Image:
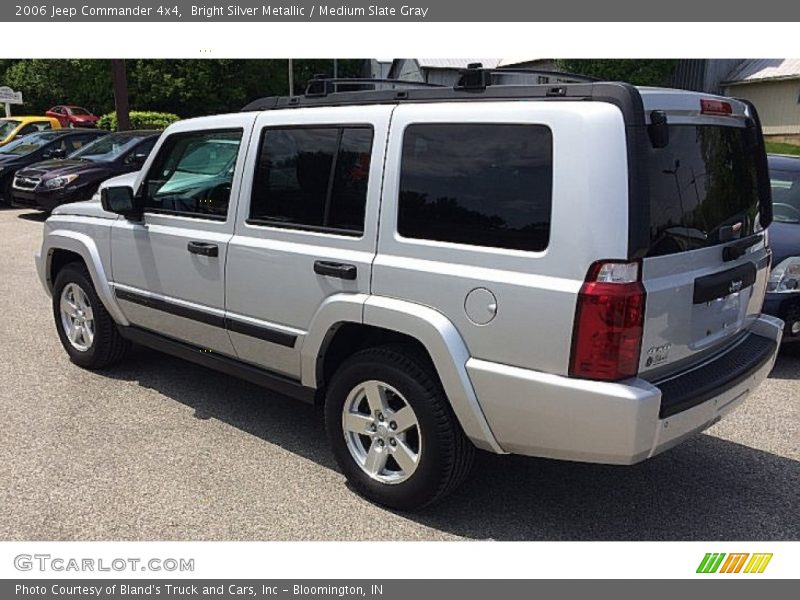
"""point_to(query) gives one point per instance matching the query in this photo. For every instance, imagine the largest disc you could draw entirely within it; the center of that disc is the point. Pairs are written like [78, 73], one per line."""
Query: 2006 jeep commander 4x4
[571, 271]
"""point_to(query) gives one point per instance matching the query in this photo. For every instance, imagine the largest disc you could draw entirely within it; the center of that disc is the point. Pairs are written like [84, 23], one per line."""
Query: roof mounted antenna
[474, 78]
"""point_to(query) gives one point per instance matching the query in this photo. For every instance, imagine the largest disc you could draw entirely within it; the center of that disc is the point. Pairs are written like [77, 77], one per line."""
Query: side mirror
[137, 158]
[120, 200]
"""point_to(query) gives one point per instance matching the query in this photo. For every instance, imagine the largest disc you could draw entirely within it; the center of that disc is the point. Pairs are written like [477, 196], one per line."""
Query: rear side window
[313, 178]
[477, 184]
[703, 188]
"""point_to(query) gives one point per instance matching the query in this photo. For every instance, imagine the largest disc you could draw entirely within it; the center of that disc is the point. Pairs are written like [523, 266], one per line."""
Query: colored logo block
[735, 562]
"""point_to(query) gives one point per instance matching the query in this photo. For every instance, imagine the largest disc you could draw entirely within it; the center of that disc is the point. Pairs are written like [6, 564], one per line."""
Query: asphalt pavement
[160, 449]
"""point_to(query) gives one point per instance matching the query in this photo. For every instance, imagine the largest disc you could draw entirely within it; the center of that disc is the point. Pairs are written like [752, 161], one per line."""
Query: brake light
[609, 320]
[715, 107]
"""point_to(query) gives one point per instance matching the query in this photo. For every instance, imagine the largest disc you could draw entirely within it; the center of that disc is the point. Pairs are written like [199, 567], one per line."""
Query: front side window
[785, 195]
[477, 184]
[192, 174]
[313, 178]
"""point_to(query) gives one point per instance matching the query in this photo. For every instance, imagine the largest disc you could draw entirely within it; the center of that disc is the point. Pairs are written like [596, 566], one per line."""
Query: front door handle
[203, 248]
[335, 269]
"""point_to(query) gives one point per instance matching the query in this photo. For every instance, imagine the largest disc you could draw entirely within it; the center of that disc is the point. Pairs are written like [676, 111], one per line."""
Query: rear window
[477, 184]
[703, 188]
[785, 195]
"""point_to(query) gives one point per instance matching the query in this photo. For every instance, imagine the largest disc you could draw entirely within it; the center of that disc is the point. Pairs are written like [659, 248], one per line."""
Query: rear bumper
[787, 308]
[540, 414]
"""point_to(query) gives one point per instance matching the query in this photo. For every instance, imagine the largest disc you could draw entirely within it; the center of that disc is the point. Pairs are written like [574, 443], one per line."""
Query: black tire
[5, 188]
[108, 346]
[447, 454]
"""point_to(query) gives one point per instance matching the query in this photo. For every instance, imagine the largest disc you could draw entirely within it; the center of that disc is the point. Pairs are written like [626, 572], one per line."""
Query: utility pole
[120, 83]
[291, 78]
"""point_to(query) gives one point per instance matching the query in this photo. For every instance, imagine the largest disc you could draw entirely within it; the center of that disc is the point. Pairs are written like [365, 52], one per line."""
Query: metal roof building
[773, 85]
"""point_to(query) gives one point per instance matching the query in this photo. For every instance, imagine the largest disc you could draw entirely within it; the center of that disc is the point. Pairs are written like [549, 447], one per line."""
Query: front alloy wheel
[86, 330]
[77, 317]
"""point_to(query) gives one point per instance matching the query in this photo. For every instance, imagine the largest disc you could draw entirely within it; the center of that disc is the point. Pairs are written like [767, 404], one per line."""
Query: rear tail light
[715, 107]
[609, 320]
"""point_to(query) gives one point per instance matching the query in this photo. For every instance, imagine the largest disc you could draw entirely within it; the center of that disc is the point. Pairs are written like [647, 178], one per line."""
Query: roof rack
[474, 83]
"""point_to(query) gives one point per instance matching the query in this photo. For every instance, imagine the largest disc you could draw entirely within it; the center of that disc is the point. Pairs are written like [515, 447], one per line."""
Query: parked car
[15, 127]
[73, 116]
[783, 288]
[445, 269]
[49, 144]
[50, 183]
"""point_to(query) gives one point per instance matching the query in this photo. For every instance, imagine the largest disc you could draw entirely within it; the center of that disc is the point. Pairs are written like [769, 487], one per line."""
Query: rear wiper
[738, 248]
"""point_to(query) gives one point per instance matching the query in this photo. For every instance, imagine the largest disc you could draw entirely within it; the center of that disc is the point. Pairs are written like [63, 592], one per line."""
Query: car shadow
[38, 216]
[705, 489]
[787, 366]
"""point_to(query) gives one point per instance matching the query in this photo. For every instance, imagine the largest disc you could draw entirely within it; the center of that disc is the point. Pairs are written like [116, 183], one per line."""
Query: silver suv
[572, 271]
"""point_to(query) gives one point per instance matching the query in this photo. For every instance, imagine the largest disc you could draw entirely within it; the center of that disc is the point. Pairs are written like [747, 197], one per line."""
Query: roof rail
[475, 77]
[322, 85]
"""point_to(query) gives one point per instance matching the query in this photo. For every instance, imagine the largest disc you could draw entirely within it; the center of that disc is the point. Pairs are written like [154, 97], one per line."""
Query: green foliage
[782, 148]
[139, 120]
[190, 88]
[47, 82]
[636, 71]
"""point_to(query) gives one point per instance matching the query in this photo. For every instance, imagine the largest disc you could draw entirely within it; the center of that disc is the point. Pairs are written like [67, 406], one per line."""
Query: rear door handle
[335, 269]
[203, 248]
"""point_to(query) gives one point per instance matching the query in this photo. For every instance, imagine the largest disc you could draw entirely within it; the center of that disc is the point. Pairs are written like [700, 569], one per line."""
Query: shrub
[139, 120]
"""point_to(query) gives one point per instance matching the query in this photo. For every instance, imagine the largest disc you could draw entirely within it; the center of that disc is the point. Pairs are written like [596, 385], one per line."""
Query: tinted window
[785, 195]
[6, 127]
[313, 178]
[482, 184]
[703, 188]
[28, 144]
[109, 147]
[192, 174]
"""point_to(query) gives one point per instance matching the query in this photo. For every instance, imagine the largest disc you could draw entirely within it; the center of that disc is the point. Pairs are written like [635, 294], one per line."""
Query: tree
[46, 82]
[636, 71]
[188, 88]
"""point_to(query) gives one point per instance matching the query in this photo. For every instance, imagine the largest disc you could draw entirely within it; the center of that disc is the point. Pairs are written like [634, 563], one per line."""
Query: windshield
[785, 195]
[27, 144]
[108, 148]
[6, 127]
[77, 110]
[703, 188]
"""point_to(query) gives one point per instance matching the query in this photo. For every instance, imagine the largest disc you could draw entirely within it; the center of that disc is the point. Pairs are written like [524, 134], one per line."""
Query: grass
[781, 148]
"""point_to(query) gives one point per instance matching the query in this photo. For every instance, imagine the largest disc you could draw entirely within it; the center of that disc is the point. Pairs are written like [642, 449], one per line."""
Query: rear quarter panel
[535, 291]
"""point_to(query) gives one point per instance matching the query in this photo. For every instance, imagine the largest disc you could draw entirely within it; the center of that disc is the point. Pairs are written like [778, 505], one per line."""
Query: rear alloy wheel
[382, 432]
[392, 430]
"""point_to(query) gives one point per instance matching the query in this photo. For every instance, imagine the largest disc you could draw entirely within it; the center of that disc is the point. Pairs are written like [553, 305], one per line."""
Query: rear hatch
[706, 267]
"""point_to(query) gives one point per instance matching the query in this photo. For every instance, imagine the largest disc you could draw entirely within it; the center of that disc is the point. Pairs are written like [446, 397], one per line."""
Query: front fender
[84, 246]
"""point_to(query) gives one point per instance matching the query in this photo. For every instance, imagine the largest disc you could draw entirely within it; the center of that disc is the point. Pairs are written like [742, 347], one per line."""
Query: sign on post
[9, 97]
